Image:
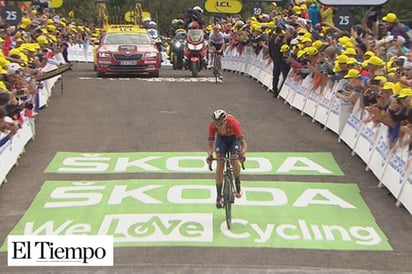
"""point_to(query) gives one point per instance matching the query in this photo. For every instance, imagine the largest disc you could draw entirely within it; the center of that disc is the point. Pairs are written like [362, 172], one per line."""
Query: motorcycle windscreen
[195, 35]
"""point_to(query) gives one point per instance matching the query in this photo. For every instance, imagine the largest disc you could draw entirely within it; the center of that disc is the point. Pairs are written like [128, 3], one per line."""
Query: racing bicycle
[228, 186]
[215, 67]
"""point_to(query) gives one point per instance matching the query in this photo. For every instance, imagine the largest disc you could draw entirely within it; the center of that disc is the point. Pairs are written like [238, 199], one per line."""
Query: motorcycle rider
[154, 34]
[217, 43]
[195, 15]
[175, 25]
[195, 44]
[176, 48]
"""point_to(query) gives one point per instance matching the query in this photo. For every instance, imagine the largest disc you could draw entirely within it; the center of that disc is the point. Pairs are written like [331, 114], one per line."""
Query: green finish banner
[182, 213]
[258, 163]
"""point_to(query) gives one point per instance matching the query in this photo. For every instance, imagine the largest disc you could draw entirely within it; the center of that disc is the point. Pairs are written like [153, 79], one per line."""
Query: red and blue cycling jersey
[230, 128]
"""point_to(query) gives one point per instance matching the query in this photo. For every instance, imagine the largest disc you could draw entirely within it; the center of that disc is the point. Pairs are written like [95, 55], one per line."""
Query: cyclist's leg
[219, 59]
[219, 62]
[210, 58]
[215, 64]
[235, 151]
[220, 149]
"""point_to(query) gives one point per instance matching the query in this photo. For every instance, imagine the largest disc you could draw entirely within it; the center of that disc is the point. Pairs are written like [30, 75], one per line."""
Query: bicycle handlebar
[225, 159]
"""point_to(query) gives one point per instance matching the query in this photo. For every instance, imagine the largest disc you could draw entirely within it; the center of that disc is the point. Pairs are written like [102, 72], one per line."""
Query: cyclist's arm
[211, 138]
[240, 137]
[210, 147]
[211, 46]
[243, 146]
[222, 49]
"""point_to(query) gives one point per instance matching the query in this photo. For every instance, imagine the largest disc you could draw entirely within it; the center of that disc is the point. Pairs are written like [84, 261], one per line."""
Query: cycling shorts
[225, 144]
[217, 47]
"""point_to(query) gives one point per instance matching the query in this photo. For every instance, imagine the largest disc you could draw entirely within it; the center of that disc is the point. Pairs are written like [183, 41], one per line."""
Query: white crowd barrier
[390, 165]
[80, 53]
[11, 148]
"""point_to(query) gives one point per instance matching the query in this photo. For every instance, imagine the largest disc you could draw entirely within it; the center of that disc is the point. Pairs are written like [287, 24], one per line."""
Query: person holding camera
[6, 127]
[404, 75]
[399, 110]
[23, 91]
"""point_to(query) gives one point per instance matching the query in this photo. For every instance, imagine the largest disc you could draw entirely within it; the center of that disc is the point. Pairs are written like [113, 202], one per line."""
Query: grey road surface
[124, 114]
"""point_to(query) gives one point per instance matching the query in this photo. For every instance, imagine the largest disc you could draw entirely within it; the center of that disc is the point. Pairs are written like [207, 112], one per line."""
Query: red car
[127, 49]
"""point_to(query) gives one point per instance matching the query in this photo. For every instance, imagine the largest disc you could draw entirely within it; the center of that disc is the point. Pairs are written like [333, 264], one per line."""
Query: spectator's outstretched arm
[364, 20]
[331, 26]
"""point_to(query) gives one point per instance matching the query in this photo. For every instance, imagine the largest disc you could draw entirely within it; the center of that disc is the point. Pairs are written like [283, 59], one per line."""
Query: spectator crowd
[25, 51]
[373, 59]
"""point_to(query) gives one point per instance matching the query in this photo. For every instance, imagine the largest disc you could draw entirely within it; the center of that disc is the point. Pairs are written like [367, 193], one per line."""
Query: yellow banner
[223, 6]
[54, 4]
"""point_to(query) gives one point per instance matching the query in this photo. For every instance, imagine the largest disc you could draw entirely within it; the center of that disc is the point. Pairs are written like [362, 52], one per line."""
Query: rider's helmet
[199, 9]
[193, 25]
[174, 22]
[180, 23]
[146, 20]
[152, 25]
[219, 115]
[180, 31]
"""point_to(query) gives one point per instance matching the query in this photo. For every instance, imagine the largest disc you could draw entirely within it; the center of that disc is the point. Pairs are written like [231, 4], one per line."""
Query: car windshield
[127, 38]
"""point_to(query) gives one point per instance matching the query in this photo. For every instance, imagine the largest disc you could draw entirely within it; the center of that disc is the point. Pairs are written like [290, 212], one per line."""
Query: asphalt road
[128, 114]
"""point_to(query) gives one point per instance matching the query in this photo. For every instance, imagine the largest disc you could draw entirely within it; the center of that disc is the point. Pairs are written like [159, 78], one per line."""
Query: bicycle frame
[228, 186]
[215, 57]
[228, 192]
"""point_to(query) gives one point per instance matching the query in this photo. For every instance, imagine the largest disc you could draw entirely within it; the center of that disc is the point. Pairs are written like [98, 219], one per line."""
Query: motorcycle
[176, 50]
[195, 51]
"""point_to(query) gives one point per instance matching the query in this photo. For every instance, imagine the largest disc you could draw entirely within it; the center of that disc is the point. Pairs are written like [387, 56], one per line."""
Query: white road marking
[159, 79]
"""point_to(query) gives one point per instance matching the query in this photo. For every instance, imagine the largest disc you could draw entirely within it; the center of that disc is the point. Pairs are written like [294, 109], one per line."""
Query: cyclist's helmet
[217, 27]
[199, 9]
[152, 25]
[193, 25]
[174, 22]
[180, 23]
[219, 115]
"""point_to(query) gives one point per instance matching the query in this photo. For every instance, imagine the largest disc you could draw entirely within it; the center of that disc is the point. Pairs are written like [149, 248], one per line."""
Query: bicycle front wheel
[227, 199]
[215, 67]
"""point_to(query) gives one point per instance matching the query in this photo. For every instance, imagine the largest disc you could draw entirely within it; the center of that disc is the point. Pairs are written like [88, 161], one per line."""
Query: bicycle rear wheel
[215, 68]
[227, 200]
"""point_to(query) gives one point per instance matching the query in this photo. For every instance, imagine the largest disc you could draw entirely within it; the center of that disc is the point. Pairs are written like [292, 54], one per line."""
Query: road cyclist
[225, 135]
[217, 45]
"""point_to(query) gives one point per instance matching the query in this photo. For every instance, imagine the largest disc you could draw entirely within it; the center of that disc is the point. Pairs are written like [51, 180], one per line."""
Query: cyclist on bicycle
[225, 135]
[217, 43]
